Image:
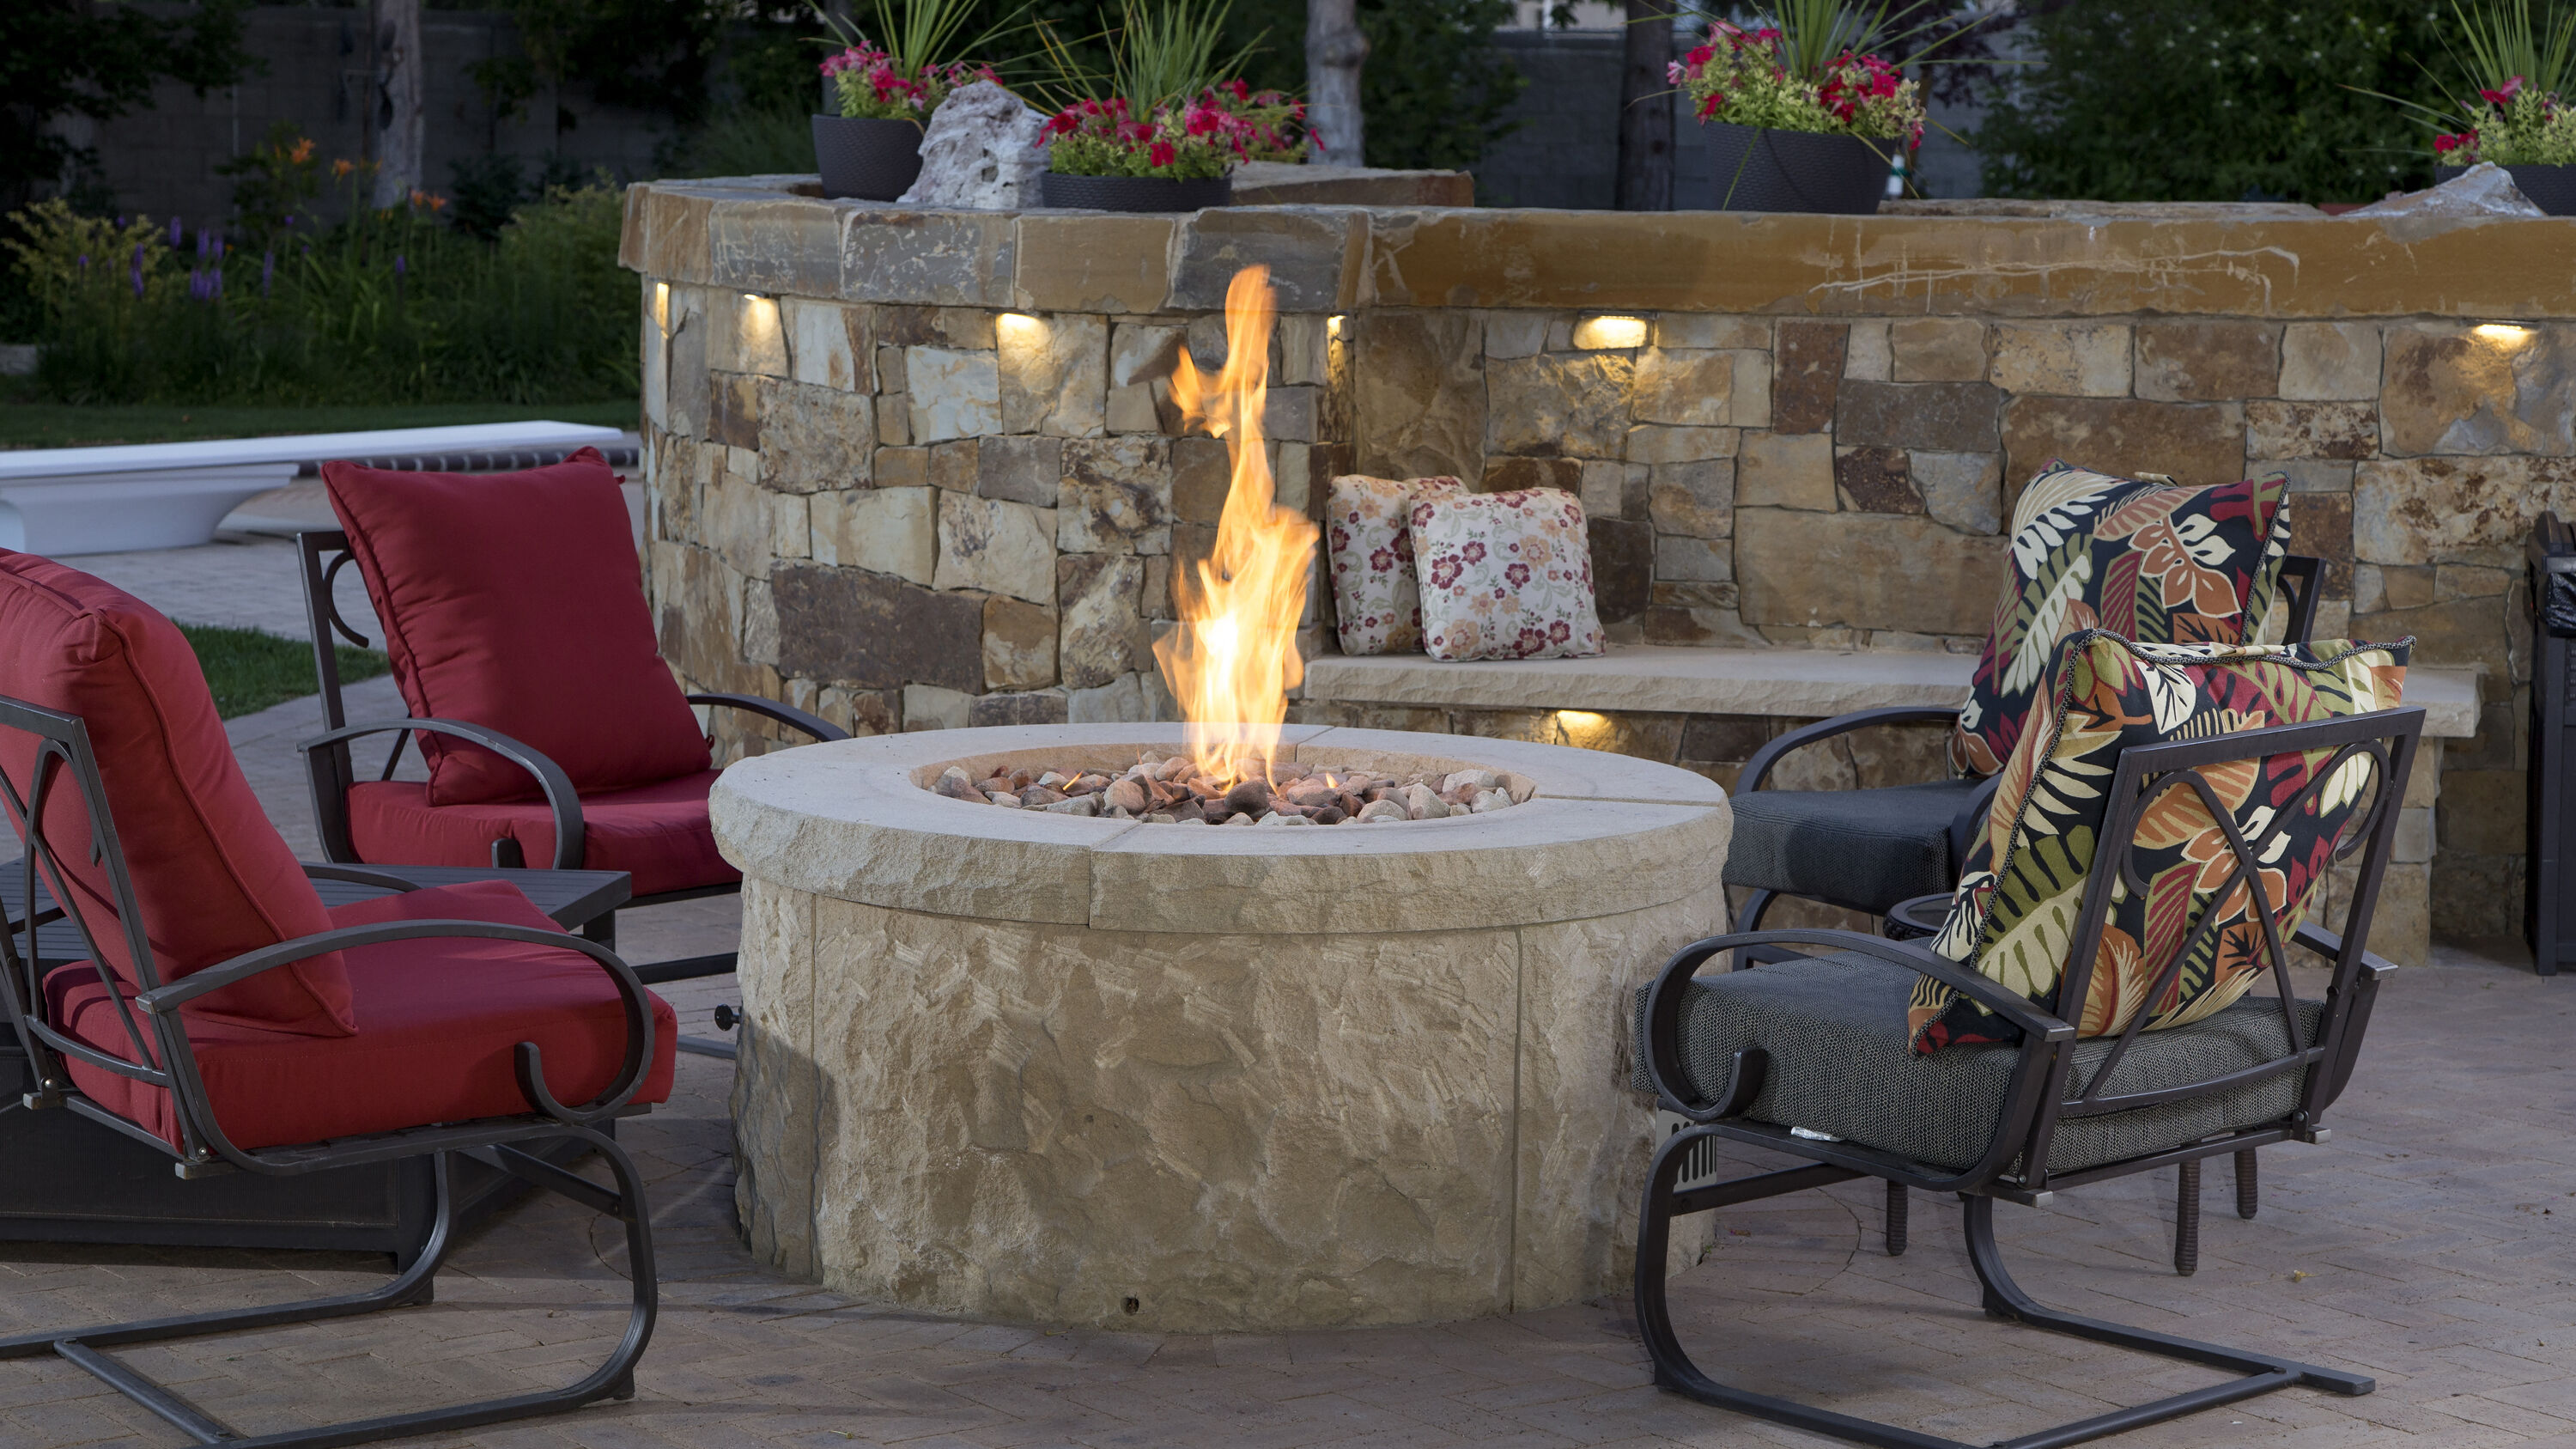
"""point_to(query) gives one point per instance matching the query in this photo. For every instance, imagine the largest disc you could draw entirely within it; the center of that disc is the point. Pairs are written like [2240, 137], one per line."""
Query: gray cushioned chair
[1819, 1042]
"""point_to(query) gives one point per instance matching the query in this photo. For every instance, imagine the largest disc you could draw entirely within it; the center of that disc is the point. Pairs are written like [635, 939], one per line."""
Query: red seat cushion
[655, 833]
[211, 877]
[439, 1020]
[514, 601]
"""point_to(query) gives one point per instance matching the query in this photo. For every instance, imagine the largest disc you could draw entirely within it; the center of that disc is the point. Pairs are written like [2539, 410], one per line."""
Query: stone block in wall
[1616, 490]
[952, 394]
[1807, 373]
[934, 707]
[1303, 342]
[1558, 405]
[996, 547]
[744, 334]
[1054, 374]
[2321, 527]
[965, 329]
[2476, 895]
[733, 410]
[1875, 480]
[1694, 499]
[2454, 510]
[2062, 359]
[733, 514]
[1656, 444]
[828, 344]
[1103, 633]
[867, 631]
[1044, 707]
[2330, 430]
[1020, 470]
[2312, 475]
[698, 602]
[894, 421]
[898, 467]
[1691, 388]
[1513, 334]
[1418, 392]
[1142, 352]
[1785, 470]
[1125, 700]
[1292, 414]
[956, 465]
[2197, 444]
[2207, 361]
[933, 258]
[1202, 475]
[1623, 567]
[1865, 570]
[1937, 349]
[1951, 417]
[2481, 812]
[1866, 354]
[2456, 631]
[1019, 644]
[2452, 388]
[1313, 256]
[814, 437]
[1683, 559]
[687, 380]
[883, 530]
[1712, 329]
[784, 245]
[1510, 475]
[2330, 361]
[1963, 490]
[1115, 496]
[1092, 263]
[863, 712]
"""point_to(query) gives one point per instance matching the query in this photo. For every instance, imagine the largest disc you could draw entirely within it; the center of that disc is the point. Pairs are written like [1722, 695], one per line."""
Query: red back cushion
[514, 601]
[211, 877]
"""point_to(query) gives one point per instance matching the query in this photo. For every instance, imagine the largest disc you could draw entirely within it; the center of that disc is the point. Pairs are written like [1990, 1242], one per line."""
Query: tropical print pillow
[1377, 606]
[2142, 557]
[2013, 915]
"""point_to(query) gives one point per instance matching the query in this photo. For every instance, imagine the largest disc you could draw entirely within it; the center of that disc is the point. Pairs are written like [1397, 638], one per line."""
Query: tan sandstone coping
[851, 820]
[1781, 683]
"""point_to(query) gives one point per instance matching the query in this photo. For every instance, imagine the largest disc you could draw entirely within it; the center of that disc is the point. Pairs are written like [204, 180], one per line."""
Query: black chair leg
[2187, 1218]
[2249, 1191]
[1894, 1230]
[612, 1379]
[2257, 1373]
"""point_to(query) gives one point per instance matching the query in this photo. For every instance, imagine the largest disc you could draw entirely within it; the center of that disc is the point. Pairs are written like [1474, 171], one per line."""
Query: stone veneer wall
[918, 469]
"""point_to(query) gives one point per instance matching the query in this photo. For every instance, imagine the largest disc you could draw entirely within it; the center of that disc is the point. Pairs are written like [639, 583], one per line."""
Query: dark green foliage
[61, 58]
[2216, 100]
[482, 191]
[248, 671]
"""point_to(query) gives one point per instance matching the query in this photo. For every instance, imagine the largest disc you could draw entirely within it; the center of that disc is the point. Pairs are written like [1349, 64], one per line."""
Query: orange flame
[1233, 657]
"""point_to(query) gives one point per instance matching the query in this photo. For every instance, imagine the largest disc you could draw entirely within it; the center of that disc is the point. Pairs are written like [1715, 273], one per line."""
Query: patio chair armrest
[357, 875]
[165, 1001]
[786, 714]
[1757, 769]
[1664, 1004]
[2330, 944]
[561, 798]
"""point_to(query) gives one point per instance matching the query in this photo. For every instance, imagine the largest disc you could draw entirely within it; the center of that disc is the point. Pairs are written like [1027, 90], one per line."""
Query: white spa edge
[851, 819]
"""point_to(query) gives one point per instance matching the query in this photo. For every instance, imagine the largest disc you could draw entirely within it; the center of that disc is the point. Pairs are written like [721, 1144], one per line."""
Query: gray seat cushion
[1863, 849]
[1835, 1030]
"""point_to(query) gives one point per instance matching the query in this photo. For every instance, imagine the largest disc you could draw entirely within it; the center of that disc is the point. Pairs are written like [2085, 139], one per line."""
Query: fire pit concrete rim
[848, 820]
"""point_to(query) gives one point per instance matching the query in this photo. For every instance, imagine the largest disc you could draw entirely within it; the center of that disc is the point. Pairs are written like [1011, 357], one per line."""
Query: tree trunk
[1334, 51]
[401, 111]
[1646, 109]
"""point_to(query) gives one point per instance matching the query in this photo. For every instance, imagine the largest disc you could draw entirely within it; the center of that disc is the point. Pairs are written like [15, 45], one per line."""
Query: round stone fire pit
[1059, 1069]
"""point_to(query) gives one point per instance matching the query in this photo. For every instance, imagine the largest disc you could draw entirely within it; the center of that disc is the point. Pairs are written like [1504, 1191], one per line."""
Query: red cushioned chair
[225, 1016]
[514, 614]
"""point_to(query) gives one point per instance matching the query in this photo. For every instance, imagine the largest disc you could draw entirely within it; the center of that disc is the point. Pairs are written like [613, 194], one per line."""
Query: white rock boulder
[981, 152]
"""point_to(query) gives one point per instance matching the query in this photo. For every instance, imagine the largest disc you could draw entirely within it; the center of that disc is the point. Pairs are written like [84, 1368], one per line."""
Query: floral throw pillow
[1376, 607]
[1506, 576]
[2013, 916]
[2142, 557]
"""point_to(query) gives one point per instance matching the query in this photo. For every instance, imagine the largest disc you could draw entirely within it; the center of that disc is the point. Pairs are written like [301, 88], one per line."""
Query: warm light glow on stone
[1608, 334]
[1333, 326]
[2503, 334]
[1020, 326]
[662, 307]
[759, 323]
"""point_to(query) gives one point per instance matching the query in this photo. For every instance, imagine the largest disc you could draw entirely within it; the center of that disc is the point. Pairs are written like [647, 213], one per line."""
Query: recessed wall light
[1609, 334]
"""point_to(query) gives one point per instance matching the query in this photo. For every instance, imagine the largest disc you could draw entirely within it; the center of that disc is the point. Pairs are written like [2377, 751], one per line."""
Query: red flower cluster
[2464, 141]
[1857, 80]
[2505, 96]
[1228, 122]
[883, 89]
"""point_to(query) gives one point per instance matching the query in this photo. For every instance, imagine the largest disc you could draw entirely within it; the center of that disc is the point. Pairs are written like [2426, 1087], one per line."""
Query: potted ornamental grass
[1800, 116]
[2521, 121]
[1163, 133]
[871, 150]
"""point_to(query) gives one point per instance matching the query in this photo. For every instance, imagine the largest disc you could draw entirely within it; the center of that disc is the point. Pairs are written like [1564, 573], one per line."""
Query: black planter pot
[2551, 188]
[865, 158]
[1758, 169]
[1134, 193]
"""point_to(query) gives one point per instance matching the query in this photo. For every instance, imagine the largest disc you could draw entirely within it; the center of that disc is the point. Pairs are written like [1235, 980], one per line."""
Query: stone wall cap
[851, 820]
[1674, 679]
[2449, 697]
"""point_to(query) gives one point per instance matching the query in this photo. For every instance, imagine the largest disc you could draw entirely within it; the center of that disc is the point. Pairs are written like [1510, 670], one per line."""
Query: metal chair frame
[2304, 576]
[320, 555]
[2014, 1166]
[153, 1019]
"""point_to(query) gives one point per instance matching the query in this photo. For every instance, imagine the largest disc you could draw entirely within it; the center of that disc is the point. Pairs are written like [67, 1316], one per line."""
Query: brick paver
[2431, 1243]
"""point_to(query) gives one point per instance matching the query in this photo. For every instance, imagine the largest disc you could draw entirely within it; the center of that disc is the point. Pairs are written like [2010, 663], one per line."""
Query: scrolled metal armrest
[561, 798]
[1664, 1004]
[165, 1000]
[1757, 769]
[786, 714]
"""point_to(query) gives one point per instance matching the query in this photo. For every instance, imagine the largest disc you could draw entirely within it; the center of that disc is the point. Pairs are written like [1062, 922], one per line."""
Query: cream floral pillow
[1506, 576]
[1376, 608]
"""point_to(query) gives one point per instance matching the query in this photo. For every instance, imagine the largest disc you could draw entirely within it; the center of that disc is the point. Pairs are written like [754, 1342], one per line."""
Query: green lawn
[64, 425]
[249, 670]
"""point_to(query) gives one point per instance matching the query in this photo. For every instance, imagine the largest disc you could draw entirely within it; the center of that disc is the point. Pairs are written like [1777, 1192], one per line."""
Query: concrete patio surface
[2432, 1243]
